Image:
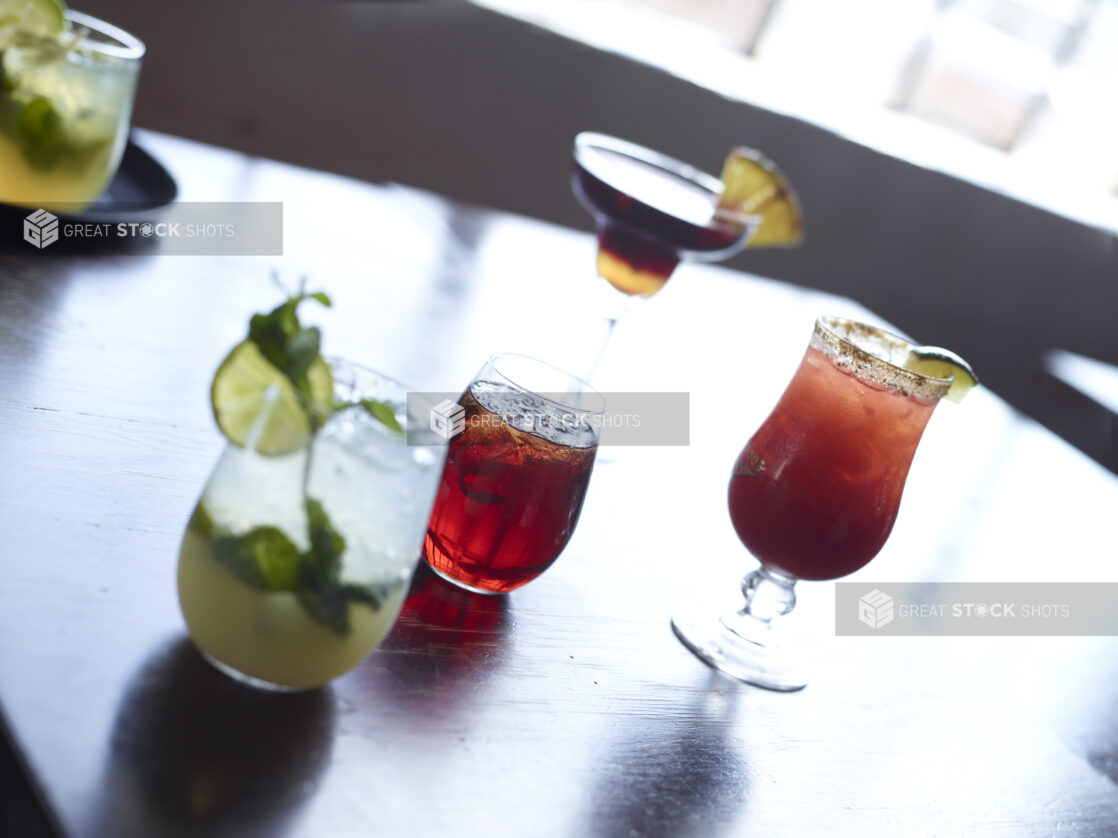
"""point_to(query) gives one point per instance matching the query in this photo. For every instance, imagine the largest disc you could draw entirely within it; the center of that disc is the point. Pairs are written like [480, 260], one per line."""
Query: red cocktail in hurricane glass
[815, 492]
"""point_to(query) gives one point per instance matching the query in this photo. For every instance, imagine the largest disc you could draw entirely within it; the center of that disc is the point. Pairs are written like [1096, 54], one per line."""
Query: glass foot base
[458, 583]
[258, 683]
[758, 660]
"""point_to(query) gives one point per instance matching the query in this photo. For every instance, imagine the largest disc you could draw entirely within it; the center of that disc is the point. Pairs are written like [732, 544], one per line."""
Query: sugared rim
[875, 355]
[585, 386]
[116, 42]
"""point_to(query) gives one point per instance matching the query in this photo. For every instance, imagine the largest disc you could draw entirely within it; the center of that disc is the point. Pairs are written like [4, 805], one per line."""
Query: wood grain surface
[567, 708]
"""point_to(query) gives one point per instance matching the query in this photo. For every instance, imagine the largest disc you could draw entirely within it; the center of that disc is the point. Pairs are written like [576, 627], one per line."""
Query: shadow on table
[446, 641]
[682, 776]
[98, 239]
[195, 752]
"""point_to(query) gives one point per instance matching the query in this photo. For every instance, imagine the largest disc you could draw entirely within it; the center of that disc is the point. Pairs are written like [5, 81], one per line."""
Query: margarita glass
[294, 565]
[65, 109]
[651, 211]
[815, 492]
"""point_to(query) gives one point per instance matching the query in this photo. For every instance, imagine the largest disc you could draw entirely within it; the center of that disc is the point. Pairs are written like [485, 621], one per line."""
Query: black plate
[141, 189]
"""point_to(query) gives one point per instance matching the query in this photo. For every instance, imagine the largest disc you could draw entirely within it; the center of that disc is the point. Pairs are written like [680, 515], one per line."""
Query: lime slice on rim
[943, 363]
[754, 185]
[35, 17]
[256, 406]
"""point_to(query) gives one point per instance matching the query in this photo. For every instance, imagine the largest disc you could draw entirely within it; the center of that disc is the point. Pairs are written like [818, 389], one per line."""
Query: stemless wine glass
[515, 475]
[293, 566]
[815, 491]
[65, 109]
[651, 211]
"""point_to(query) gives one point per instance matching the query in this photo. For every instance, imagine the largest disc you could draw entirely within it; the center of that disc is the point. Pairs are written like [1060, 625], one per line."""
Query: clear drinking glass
[293, 567]
[65, 110]
[815, 492]
[515, 476]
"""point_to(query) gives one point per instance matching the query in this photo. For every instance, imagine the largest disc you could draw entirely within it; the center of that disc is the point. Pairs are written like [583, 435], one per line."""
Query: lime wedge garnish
[257, 406]
[943, 363]
[754, 185]
[34, 17]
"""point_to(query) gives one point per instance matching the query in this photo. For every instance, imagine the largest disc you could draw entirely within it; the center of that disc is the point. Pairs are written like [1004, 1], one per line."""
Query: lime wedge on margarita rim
[937, 362]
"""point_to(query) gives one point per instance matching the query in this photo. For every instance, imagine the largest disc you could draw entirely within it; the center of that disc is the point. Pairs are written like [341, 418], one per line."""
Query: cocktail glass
[651, 211]
[815, 492]
[65, 110]
[515, 476]
[293, 567]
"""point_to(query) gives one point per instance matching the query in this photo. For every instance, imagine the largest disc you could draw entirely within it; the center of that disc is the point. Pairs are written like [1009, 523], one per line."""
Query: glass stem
[768, 594]
[614, 305]
[589, 372]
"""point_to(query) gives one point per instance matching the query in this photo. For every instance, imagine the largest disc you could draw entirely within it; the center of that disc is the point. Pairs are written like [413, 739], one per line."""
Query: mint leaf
[371, 595]
[301, 350]
[10, 108]
[328, 607]
[263, 558]
[287, 345]
[327, 544]
[322, 594]
[268, 333]
[201, 522]
[41, 134]
[320, 591]
[7, 84]
[383, 411]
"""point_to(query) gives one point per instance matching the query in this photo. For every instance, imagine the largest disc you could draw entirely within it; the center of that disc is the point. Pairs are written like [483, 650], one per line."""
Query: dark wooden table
[567, 708]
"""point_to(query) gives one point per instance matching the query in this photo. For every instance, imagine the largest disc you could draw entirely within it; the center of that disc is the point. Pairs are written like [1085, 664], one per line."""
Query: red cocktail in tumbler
[515, 476]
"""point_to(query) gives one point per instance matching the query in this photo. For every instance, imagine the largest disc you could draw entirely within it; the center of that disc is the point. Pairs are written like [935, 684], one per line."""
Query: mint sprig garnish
[265, 559]
[293, 348]
[288, 345]
[383, 411]
[201, 522]
[321, 592]
[42, 134]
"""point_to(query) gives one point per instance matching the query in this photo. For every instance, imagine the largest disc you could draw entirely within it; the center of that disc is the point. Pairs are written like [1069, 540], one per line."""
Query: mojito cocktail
[298, 554]
[65, 106]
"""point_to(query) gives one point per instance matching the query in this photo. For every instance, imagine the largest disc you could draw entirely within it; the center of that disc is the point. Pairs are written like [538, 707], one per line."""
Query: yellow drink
[268, 635]
[65, 109]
